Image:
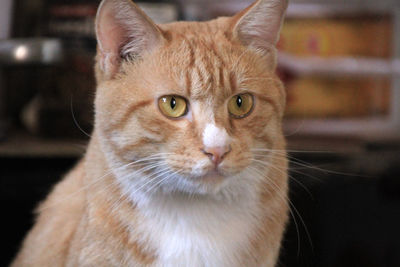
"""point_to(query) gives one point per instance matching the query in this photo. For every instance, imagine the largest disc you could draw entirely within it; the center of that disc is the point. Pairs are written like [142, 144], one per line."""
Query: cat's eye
[239, 106]
[173, 106]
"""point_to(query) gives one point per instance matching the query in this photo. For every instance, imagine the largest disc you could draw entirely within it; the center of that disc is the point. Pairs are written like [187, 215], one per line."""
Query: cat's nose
[216, 154]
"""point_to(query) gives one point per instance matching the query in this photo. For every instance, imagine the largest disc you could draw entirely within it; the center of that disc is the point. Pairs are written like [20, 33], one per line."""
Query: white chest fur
[211, 230]
[199, 232]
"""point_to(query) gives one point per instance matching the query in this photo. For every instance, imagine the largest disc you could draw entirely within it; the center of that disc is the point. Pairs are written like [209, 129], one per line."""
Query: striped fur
[145, 193]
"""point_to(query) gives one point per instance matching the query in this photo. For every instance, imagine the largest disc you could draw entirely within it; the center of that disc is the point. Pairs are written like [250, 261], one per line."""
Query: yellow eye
[239, 106]
[172, 106]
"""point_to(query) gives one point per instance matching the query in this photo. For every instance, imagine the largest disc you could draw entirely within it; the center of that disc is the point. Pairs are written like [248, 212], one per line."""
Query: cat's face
[191, 113]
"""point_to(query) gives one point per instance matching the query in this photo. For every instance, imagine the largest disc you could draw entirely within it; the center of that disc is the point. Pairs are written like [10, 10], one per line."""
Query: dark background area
[344, 217]
[24, 183]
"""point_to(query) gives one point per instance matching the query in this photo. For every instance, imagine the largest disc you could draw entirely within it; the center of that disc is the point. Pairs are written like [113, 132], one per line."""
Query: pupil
[239, 101]
[173, 103]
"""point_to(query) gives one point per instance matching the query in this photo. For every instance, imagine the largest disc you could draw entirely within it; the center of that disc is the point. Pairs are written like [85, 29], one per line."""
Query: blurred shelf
[372, 128]
[325, 145]
[20, 144]
[330, 8]
[25, 51]
[344, 146]
[339, 66]
[194, 9]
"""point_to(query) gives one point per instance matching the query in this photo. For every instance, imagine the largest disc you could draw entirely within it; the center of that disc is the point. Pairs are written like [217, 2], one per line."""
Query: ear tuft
[259, 25]
[123, 30]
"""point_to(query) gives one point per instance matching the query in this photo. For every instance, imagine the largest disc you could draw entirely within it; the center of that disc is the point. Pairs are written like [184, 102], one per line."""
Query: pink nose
[216, 154]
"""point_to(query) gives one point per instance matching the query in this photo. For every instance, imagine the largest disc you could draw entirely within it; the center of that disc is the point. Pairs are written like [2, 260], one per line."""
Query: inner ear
[259, 25]
[123, 30]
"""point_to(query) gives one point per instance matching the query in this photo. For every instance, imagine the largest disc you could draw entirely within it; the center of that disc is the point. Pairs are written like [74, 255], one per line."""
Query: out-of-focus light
[21, 52]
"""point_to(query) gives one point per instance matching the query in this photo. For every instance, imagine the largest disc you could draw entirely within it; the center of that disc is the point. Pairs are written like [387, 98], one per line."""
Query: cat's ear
[259, 25]
[123, 30]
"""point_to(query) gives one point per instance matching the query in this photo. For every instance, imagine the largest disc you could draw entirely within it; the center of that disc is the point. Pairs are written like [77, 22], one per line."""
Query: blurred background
[340, 61]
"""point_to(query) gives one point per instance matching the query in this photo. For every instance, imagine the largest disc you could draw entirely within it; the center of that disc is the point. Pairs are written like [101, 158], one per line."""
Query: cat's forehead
[201, 63]
[198, 42]
[204, 58]
[195, 29]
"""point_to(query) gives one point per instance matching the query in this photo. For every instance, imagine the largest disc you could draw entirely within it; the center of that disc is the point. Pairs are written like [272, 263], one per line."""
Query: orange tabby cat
[186, 164]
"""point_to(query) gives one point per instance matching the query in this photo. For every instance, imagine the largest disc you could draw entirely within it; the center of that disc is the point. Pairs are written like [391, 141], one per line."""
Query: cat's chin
[209, 183]
[213, 176]
[212, 181]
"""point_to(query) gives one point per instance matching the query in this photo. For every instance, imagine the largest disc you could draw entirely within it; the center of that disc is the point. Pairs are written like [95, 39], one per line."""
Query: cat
[186, 165]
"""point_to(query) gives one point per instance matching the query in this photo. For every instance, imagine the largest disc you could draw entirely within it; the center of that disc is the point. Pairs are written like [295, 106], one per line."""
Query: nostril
[216, 154]
[228, 149]
[210, 155]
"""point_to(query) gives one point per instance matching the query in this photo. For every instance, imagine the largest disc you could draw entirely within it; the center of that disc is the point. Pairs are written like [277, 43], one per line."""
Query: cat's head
[188, 106]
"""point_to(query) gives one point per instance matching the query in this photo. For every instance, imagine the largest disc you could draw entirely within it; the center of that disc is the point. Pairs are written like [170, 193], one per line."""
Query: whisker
[296, 211]
[268, 165]
[291, 168]
[284, 198]
[140, 171]
[162, 180]
[291, 150]
[307, 165]
[75, 120]
[150, 179]
[95, 181]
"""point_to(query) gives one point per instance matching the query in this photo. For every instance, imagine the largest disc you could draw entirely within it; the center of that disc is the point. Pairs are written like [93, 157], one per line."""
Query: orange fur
[91, 218]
